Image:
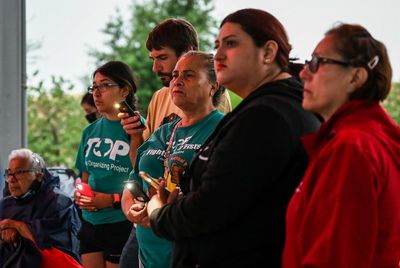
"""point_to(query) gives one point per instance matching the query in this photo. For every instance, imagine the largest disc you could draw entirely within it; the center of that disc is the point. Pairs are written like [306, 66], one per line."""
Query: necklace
[168, 151]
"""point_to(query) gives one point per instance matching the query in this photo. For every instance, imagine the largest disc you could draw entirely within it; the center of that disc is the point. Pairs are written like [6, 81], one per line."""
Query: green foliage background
[55, 122]
[127, 39]
[55, 118]
[392, 103]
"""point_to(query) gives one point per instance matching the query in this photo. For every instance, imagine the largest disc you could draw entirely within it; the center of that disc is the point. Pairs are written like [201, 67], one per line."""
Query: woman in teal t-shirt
[105, 160]
[168, 152]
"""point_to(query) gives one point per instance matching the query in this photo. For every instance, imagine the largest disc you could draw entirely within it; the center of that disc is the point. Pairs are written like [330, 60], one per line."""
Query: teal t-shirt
[154, 251]
[104, 155]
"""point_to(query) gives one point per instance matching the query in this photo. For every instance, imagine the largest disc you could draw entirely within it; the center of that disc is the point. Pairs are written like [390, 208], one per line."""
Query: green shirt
[154, 251]
[104, 155]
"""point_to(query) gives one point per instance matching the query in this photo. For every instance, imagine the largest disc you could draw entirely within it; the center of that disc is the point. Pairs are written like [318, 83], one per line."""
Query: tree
[127, 39]
[392, 103]
[55, 118]
[55, 122]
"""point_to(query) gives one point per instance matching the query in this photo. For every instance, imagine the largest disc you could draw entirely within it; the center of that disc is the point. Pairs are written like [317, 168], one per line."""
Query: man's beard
[165, 78]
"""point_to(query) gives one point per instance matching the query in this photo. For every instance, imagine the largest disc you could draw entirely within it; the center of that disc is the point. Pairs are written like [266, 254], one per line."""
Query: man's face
[164, 61]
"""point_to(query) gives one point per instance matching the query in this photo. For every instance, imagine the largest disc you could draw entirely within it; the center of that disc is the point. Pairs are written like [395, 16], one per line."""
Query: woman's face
[329, 87]
[20, 183]
[190, 87]
[106, 96]
[238, 61]
[89, 109]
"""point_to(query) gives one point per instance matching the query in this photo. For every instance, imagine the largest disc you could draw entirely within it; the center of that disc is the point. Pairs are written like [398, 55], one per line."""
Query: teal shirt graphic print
[104, 155]
[150, 158]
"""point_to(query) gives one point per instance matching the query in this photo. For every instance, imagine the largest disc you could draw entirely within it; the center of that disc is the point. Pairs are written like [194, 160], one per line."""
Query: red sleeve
[340, 221]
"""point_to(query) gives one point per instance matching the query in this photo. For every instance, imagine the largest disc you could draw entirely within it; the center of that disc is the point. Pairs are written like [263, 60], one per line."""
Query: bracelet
[116, 200]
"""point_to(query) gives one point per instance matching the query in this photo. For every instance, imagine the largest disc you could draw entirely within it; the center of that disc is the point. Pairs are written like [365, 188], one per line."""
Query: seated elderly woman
[35, 218]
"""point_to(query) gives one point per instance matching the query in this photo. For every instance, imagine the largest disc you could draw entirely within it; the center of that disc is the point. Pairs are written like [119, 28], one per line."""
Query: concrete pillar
[12, 79]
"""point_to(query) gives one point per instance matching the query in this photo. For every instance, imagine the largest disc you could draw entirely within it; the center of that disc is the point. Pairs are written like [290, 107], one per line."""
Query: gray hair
[207, 60]
[36, 161]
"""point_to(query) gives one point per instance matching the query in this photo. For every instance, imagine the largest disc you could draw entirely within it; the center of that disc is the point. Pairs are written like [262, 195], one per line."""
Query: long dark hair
[123, 75]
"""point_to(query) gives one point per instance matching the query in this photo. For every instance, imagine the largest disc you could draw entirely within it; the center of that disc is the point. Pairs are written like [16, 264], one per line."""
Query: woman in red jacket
[346, 211]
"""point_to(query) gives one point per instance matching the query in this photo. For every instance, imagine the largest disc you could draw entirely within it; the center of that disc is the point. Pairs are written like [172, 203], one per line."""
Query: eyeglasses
[315, 62]
[102, 87]
[16, 174]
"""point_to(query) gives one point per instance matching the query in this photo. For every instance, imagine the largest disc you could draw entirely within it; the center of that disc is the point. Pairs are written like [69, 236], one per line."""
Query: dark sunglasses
[315, 62]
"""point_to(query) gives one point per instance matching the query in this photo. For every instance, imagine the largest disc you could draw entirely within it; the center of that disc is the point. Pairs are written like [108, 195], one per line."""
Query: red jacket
[346, 211]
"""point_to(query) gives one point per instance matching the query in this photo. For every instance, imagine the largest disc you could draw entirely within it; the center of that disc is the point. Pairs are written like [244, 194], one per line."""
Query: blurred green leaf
[392, 103]
[55, 122]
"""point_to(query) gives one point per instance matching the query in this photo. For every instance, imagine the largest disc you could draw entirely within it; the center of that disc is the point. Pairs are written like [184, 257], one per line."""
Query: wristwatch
[116, 200]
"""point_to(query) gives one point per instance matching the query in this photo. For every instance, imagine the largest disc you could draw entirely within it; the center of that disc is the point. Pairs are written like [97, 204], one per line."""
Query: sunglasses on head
[315, 62]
